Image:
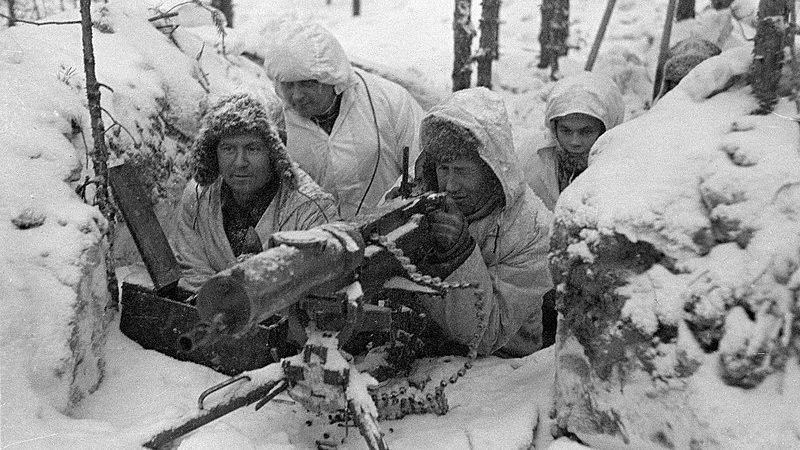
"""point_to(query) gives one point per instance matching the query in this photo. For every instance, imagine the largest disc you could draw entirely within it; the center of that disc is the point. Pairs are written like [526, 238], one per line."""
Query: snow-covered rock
[676, 259]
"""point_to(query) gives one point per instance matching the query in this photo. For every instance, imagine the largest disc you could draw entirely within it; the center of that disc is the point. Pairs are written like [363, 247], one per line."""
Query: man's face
[244, 164]
[467, 181]
[307, 97]
[577, 132]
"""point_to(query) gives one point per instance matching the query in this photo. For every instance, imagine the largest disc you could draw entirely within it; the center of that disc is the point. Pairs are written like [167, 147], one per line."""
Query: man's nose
[451, 183]
[241, 158]
[295, 93]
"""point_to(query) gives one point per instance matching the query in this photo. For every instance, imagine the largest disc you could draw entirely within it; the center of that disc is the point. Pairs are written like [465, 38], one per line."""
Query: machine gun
[332, 273]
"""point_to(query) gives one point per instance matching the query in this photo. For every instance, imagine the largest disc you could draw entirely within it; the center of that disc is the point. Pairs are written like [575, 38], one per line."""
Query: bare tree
[99, 151]
[553, 34]
[462, 45]
[685, 10]
[12, 16]
[773, 36]
[489, 47]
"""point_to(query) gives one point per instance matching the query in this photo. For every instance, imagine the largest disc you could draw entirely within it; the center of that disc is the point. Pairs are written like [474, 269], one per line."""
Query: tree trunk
[664, 47]
[488, 42]
[601, 32]
[36, 10]
[685, 10]
[462, 45]
[772, 37]
[99, 151]
[553, 33]
[226, 7]
[12, 17]
[356, 8]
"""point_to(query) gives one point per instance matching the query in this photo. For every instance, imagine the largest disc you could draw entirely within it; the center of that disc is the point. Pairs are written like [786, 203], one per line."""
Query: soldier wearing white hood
[579, 109]
[345, 128]
[493, 230]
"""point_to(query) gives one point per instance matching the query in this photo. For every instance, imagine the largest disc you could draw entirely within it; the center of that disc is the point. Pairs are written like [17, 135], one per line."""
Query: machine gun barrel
[297, 264]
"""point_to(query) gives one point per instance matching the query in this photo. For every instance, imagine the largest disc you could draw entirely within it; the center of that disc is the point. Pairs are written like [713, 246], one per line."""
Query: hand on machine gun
[452, 242]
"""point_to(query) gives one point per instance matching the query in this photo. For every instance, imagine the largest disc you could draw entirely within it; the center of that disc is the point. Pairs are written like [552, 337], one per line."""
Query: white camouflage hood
[307, 51]
[483, 113]
[587, 93]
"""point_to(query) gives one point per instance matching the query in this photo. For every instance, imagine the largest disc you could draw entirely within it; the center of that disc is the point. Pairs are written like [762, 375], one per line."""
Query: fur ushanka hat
[238, 113]
[444, 141]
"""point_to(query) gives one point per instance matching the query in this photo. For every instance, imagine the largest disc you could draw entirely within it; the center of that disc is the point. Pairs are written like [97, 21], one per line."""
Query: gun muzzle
[204, 334]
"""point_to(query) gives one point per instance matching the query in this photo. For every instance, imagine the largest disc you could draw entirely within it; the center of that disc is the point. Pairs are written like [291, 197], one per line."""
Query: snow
[498, 404]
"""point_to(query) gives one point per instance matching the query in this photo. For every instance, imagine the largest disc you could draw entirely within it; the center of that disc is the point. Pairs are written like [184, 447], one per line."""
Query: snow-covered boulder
[676, 259]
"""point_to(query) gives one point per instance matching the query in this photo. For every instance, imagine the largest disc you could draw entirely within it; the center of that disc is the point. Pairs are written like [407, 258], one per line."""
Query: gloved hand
[452, 243]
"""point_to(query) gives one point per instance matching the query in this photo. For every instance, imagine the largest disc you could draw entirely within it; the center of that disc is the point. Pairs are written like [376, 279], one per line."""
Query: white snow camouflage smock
[587, 93]
[510, 259]
[199, 240]
[343, 162]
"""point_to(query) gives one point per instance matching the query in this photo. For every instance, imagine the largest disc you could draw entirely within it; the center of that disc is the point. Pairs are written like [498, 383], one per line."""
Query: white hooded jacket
[200, 243]
[509, 262]
[586, 93]
[377, 118]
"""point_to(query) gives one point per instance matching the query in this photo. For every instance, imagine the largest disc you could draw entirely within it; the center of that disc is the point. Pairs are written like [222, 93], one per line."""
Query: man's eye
[257, 149]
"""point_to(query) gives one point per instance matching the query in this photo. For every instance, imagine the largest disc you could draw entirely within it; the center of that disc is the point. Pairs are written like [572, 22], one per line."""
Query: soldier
[683, 57]
[245, 188]
[579, 109]
[346, 128]
[493, 230]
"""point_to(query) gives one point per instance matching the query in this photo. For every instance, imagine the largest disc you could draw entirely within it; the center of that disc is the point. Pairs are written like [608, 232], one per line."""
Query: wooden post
[488, 41]
[601, 32]
[462, 45]
[356, 8]
[664, 49]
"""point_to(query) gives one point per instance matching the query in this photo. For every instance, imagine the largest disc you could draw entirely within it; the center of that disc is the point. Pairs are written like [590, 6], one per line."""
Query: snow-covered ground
[499, 404]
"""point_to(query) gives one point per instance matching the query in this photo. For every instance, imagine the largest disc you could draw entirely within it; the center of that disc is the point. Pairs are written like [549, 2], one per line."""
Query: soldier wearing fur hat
[245, 188]
[493, 230]
[345, 127]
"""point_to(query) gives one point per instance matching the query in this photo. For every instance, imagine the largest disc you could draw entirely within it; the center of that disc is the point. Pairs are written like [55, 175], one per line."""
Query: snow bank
[679, 322]
[56, 309]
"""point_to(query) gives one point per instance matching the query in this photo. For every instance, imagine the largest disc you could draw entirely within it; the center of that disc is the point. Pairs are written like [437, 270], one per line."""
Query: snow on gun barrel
[297, 264]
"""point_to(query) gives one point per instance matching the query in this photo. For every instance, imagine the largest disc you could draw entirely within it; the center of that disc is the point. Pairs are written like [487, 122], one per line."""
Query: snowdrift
[56, 310]
[676, 261]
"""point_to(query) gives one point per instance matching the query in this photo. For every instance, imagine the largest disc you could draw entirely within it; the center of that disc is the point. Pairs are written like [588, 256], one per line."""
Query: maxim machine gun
[347, 281]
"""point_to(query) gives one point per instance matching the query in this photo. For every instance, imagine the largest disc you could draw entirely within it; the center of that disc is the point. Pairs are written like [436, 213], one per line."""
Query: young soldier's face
[467, 181]
[577, 132]
[244, 164]
[307, 97]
